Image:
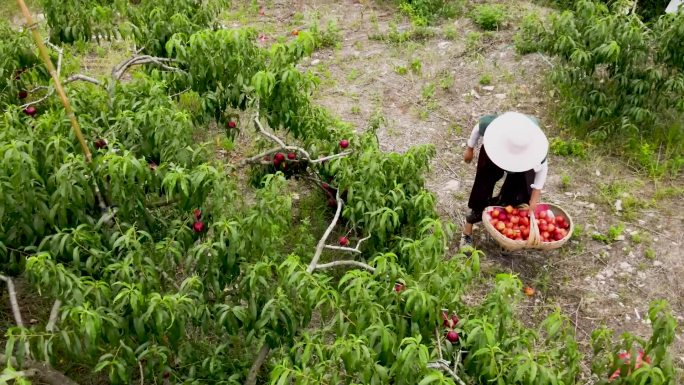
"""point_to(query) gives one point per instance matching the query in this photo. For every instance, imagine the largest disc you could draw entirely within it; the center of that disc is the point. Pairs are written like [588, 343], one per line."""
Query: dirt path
[429, 92]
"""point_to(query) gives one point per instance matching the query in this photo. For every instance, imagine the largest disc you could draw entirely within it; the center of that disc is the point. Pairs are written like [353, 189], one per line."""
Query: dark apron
[516, 188]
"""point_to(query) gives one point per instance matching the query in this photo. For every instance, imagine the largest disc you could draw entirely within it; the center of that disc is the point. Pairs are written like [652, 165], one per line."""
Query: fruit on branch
[30, 111]
[23, 94]
[279, 157]
[100, 144]
[197, 213]
[153, 165]
[452, 336]
[398, 287]
[332, 202]
[344, 143]
[291, 156]
[198, 227]
[343, 241]
[231, 124]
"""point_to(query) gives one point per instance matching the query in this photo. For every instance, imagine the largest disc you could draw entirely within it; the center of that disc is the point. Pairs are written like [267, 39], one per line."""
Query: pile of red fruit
[552, 227]
[450, 322]
[515, 223]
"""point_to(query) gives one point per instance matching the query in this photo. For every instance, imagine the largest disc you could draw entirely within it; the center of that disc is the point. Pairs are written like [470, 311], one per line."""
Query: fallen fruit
[343, 241]
[198, 227]
[292, 156]
[398, 287]
[529, 291]
[452, 336]
[23, 94]
[279, 157]
[344, 143]
[232, 124]
[295, 32]
[30, 111]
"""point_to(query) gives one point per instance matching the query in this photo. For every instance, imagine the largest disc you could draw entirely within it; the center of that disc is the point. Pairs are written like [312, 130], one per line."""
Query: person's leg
[486, 176]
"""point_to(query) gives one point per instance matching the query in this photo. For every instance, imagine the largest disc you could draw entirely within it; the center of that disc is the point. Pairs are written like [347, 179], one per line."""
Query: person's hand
[468, 155]
[533, 206]
[534, 200]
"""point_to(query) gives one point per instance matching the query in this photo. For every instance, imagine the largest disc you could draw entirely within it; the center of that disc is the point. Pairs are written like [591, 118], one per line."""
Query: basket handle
[535, 237]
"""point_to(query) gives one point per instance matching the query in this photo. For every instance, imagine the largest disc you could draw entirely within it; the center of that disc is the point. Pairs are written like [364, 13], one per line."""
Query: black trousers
[516, 188]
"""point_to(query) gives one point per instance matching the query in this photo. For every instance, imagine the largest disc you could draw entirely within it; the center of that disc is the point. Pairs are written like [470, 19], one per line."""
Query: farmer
[513, 143]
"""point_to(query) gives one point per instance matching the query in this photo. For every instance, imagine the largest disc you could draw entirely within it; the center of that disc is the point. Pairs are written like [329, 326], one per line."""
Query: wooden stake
[30, 24]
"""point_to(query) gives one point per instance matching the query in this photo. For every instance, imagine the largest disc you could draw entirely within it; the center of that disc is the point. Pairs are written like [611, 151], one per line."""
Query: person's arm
[538, 185]
[471, 143]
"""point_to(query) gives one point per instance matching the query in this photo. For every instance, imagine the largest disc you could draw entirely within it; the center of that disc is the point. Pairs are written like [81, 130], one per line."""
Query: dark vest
[486, 120]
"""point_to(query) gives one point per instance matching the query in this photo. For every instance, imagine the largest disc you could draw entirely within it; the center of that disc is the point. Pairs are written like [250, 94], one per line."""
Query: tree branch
[54, 313]
[349, 249]
[443, 365]
[345, 263]
[119, 70]
[254, 370]
[42, 371]
[268, 134]
[84, 78]
[13, 300]
[321, 242]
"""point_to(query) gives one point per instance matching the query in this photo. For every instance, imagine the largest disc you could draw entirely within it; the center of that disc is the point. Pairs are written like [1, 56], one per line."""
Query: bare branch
[142, 376]
[349, 249]
[321, 242]
[254, 370]
[119, 70]
[84, 78]
[439, 343]
[345, 263]
[181, 92]
[330, 157]
[268, 134]
[42, 371]
[13, 300]
[444, 365]
[33, 103]
[54, 313]
[60, 53]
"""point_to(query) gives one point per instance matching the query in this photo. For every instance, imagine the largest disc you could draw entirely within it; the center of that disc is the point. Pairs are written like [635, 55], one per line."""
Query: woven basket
[556, 244]
[534, 239]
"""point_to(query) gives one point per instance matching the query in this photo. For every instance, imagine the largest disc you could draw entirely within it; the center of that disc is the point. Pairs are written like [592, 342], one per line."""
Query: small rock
[568, 193]
[620, 238]
[474, 94]
[452, 185]
[598, 173]
[33, 321]
[613, 296]
[657, 263]
[641, 275]
[315, 62]
[626, 267]
[627, 318]
[609, 273]
[618, 205]
[488, 88]
[600, 276]
[443, 45]
[500, 96]
[591, 206]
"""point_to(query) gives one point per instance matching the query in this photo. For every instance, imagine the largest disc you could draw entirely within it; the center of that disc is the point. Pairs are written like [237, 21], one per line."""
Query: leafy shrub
[489, 17]
[424, 12]
[572, 147]
[619, 79]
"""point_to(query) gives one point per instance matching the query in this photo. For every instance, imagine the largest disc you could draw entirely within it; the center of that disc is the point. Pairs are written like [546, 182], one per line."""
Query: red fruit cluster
[198, 226]
[511, 222]
[552, 228]
[450, 323]
[515, 224]
[626, 358]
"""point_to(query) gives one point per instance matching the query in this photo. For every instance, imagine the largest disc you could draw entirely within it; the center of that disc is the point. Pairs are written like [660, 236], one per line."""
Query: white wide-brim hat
[515, 143]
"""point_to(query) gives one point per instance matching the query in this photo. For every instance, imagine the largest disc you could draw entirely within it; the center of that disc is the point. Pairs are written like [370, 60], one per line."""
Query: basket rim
[521, 244]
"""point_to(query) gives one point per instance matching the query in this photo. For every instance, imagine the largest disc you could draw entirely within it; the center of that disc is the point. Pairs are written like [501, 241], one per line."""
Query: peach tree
[190, 275]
